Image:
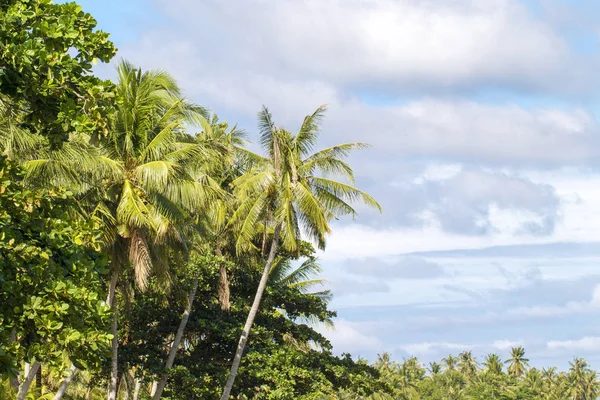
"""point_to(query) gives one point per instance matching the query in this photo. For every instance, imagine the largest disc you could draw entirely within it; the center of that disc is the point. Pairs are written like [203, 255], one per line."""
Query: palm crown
[291, 189]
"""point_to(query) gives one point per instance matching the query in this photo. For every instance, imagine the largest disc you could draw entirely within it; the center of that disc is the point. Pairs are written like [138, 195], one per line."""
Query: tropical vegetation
[147, 252]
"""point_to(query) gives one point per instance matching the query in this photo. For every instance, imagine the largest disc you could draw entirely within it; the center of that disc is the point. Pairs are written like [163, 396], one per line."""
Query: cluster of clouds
[484, 129]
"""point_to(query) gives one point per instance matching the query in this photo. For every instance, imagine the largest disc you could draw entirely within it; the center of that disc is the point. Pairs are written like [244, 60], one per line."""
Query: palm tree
[467, 364]
[156, 186]
[288, 192]
[139, 181]
[534, 379]
[493, 364]
[449, 363]
[517, 361]
[384, 361]
[435, 368]
[228, 143]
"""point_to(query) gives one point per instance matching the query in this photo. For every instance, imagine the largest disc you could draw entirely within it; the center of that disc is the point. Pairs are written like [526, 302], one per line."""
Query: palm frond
[307, 136]
[139, 257]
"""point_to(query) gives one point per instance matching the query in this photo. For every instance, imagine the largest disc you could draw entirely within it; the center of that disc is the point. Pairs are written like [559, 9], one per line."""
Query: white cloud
[405, 268]
[587, 343]
[461, 130]
[348, 336]
[433, 347]
[504, 345]
[360, 241]
[407, 42]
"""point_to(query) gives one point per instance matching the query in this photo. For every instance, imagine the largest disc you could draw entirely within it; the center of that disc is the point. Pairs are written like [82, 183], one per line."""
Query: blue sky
[483, 118]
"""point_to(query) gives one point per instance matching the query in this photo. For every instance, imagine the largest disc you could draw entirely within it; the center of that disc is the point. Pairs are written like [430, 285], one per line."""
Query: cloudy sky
[484, 121]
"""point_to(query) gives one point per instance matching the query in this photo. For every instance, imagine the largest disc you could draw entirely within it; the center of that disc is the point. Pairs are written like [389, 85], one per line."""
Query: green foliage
[46, 55]
[112, 179]
[50, 298]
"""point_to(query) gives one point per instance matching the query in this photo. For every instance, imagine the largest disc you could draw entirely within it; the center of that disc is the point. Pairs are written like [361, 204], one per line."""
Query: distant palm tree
[384, 361]
[467, 364]
[449, 363]
[493, 364]
[435, 368]
[517, 362]
[534, 379]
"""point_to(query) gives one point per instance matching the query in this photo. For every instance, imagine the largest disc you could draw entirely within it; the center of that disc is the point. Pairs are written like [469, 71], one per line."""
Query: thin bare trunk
[138, 386]
[65, 384]
[14, 381]
[153, 388]
[125, 382]
[114, 360]
[223, 288]
[251, 315]
[175, 346]
[32, 371]
[38, 380]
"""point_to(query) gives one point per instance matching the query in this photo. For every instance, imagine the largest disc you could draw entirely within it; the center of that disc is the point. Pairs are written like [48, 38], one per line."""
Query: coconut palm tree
[449, 363]
[517, 361]
[157, 184]
[290, 191]
[139, 181]
[493, 364]
[435, 368]
[228, 143]
[467, 364]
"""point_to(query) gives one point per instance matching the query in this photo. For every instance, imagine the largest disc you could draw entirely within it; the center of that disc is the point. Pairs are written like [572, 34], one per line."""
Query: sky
[483, 118]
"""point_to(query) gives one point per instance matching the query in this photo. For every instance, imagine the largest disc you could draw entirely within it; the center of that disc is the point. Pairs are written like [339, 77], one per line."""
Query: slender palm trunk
[175, 346]
[153, 388]
[38, 380]
[136, 390]
[14, 381]
[28, 380]
[114, 361]
[62, 389]
[251, 315]
[223, 288]
[125, 383]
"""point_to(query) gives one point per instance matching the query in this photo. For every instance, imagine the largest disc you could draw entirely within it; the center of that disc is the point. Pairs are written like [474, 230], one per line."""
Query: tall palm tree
[157, 183]
[139, 181]
[229, 142]
[289, 192]
[517, 361]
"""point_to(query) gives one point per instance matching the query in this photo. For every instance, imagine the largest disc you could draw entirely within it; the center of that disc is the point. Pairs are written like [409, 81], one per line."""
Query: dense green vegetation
[145, 252]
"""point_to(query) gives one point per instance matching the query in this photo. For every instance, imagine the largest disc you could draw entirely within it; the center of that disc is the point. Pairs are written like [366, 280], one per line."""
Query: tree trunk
[14, 381]
[38, 380]
[223, 287]
[138, 386]
[252, 314]
[175, 346]
[27, 381]
[114, 361]
[153, 388]
[62, 389]
[125, 382]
